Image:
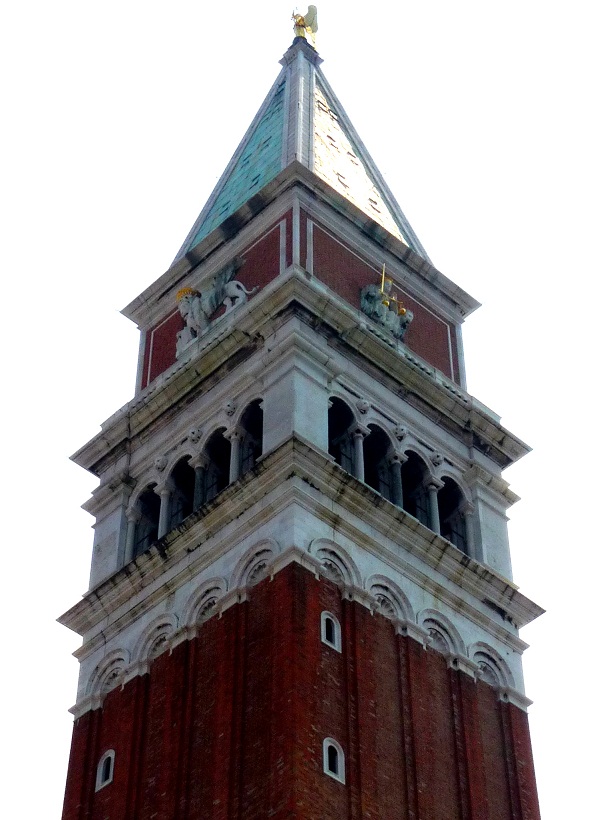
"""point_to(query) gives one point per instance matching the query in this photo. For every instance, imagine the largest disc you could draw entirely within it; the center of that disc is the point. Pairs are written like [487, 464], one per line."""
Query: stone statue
[383, 306]
[196, 308]
[236, 295]
[191, 310]
[214, 296]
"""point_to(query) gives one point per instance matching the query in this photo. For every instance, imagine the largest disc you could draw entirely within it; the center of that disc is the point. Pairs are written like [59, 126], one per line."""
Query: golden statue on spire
[306, 23]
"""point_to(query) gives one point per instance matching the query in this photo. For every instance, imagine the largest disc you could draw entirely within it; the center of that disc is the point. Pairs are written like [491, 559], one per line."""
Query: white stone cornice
[293, 474]
[488, 482]
[463, 664]
[414, 631]
[456, 660]
[509, 695]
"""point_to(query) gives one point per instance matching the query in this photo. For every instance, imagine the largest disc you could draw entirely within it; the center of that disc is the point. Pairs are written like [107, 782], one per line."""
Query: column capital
[359, 431]
[199, 460]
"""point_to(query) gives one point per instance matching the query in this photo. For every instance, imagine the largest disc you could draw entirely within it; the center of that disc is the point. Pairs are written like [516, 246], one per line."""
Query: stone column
[131, 517]
[433, 486]
[234, 437]
[397, 494]
[468, 519]
[199, 481]
[163, 521]
[358, 433]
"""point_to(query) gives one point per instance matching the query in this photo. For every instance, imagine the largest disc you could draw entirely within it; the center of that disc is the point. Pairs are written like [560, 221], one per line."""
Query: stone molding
[174, 629]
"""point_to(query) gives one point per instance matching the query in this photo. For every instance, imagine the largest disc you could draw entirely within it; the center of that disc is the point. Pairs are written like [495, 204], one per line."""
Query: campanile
[301, 601]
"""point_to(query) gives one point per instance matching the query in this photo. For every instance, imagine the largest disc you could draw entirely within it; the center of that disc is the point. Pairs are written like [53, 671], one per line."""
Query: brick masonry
[231, 723]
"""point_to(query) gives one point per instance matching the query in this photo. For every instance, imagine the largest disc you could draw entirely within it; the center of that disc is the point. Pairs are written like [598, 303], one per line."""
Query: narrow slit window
[333, 760]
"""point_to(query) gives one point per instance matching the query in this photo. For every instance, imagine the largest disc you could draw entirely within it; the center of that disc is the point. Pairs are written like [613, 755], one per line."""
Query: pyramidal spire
[301, 120]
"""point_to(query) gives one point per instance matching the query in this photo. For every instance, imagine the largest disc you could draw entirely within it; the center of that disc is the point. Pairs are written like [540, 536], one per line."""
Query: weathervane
[306, 23]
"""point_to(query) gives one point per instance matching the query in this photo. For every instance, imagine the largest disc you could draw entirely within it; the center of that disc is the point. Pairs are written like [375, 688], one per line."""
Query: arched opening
[146, 528]
[251, 446]
[452, 522]
[218, 462]
[438, 637]
[414, 492]
[489, 669]
[104, 770]
[341, 445]
[376, 449]
[181, 501]
[333, 762]
[330, 631]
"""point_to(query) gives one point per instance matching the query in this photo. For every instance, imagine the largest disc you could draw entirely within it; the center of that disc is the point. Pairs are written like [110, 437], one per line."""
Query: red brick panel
[434, 736]
[405, 649]
[287, 627]
[218, 675]
[79, 782]
[383, 741]
[499, 796]
[469, 728]
[115, 721]
[430, 336]
[254, 751]
[288, 216]
[524, 762]
[261, 265]
[160, 346]
[159, 761]
[136, 692]
[320, 699]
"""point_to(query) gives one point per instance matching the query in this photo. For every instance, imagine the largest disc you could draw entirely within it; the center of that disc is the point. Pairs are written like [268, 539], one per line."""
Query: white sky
[492, 124]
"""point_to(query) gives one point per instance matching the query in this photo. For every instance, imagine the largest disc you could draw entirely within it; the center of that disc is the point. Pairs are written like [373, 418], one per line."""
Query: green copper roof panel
[258, 164]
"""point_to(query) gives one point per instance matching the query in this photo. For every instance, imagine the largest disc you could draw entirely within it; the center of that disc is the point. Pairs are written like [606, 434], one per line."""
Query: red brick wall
[262, 264]
[231, 725]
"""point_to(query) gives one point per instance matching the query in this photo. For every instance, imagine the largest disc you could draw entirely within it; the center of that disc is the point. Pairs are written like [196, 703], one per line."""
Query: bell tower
[300, 601]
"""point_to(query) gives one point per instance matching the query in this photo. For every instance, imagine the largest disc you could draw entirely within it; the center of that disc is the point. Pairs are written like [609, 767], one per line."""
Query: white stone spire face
[337, 161]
